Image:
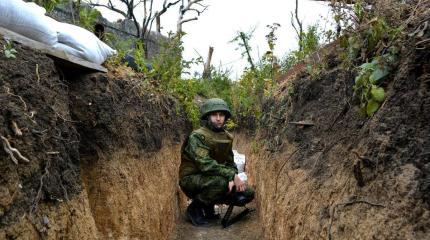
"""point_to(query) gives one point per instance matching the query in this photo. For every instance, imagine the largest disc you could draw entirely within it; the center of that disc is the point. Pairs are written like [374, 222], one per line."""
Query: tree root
[282, 168]
[39, 191]
[10, 150]
[344, 205]
[37, 73]
[16, 130]
[8, 92]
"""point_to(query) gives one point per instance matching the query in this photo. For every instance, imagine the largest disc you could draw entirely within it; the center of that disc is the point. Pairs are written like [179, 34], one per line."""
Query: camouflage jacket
[209, 153]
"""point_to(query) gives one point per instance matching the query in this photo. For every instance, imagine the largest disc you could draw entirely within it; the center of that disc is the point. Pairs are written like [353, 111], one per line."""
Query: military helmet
[214, 105]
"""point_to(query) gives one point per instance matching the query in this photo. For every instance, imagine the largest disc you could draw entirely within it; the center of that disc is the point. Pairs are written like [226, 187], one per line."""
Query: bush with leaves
[369, 78]
[310, 43]
[168, 67]
[88, 17]
[219, 86]
[371, 46]
[375, 38]
[49, 5]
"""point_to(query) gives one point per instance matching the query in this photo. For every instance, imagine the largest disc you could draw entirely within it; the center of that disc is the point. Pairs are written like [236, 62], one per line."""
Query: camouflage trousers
[208, 189]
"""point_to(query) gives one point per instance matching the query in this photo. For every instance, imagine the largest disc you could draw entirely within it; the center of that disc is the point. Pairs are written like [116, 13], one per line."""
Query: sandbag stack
[29, 20]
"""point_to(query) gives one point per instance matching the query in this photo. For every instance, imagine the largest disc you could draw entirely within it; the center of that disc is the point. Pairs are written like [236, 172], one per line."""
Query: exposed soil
[33, 97]
[346, 177]
[103, 153]
[246, 228]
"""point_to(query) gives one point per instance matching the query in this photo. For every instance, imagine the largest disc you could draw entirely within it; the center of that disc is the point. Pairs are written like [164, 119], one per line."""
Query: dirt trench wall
[133, 197]
[129, 155]
[346, 177]
[42, 198]
[103, 153]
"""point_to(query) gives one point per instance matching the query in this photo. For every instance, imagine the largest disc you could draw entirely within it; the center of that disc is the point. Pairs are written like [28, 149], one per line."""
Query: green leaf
[372, 107]
[359, 80]
[366, 66]
[9, 54]
[378, 93]
[378, 74]
[375, 61]
[362, 111]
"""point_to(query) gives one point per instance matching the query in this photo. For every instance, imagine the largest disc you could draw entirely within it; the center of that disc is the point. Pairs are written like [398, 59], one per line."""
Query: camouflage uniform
[207, 166]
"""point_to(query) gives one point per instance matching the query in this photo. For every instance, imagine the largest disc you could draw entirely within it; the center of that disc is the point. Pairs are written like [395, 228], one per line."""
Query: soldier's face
[217, 119]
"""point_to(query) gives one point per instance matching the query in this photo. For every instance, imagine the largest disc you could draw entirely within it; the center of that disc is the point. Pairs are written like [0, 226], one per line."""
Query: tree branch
[165, 7]
[183, 9]
[188, 20]
[294, 26]
[198, 11]
[300, 25]
[110, 7]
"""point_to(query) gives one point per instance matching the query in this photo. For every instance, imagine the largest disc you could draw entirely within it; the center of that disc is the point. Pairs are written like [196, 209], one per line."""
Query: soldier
[208, 174]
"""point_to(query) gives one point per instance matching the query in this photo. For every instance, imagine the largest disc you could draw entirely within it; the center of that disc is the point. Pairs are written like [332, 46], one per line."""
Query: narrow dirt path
[248, 228]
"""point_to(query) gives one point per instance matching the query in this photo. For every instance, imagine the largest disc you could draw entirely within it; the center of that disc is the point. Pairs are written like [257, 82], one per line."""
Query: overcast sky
[224, 18]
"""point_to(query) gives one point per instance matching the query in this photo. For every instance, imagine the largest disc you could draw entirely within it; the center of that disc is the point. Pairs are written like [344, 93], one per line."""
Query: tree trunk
[245, 43]
[207, 67]
[158, 22]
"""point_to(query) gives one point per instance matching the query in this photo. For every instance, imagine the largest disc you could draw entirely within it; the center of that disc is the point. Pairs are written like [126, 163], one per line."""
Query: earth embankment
[102, 151]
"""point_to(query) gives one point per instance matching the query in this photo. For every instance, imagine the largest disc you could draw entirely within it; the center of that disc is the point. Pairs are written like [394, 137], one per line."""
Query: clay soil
[247, 228]
[103, 153]
[347, 176]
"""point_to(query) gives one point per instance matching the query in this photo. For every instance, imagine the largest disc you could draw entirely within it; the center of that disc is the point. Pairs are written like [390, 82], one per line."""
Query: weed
[375, 40]
[314, 70]
[139, 56]
[49, 5]
[230, 125]
[8, 50]
[291, 90]
[123, 48]
[309, 43]
[367, 83]
[88, 17]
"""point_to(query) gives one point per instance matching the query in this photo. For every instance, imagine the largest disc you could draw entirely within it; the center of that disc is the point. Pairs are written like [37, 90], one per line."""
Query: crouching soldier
[208, 174]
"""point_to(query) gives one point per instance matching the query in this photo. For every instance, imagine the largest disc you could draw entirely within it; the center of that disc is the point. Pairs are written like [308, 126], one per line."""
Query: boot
[209, 212]
[195, 213]
[238, 199]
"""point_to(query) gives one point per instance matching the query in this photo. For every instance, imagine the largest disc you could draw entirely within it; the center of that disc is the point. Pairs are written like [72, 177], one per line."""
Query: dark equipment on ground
[131, 62]
[239, 200]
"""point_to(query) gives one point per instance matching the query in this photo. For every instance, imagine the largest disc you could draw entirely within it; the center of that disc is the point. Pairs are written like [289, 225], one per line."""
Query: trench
[136, 196]
[112, 167]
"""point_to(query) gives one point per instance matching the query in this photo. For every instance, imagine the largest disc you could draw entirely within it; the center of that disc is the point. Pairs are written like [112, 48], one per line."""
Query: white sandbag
[86, 44]
[243, 177]
[68, 50]
[240, 161]
[27, 19]
[36, 8]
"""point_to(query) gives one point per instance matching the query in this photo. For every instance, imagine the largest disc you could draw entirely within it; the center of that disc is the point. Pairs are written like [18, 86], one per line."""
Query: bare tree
[190, 6]
[207, 66]
[129, 5]
[150, 16]
[299, 28]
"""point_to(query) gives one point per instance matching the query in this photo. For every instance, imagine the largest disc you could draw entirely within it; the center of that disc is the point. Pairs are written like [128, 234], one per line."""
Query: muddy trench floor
[247, 228]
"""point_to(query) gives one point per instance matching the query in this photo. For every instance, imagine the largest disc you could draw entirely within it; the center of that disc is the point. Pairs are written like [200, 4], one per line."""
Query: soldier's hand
[230, 186]
[240, 185]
